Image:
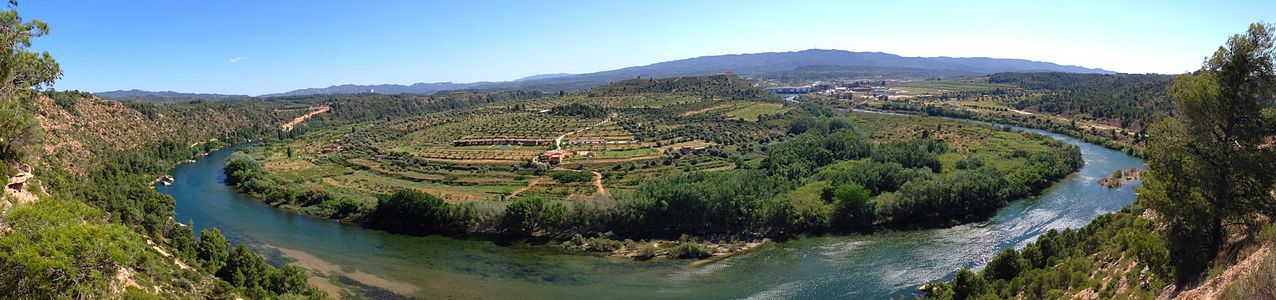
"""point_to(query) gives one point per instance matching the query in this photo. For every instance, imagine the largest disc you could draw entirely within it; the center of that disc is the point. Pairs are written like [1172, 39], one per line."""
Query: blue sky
[256, 47]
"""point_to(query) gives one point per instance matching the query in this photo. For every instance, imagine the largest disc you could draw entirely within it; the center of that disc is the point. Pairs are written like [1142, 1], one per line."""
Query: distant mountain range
[416, 88]
[800, 64]
[151, 96]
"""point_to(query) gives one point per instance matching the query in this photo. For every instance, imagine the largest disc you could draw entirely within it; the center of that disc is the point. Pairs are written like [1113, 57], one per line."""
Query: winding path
[288, 126]
[558, 142]
[598, 182]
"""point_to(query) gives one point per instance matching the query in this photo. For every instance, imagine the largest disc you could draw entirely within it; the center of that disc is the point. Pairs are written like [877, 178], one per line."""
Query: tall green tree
[1210, 165]
[852, 206]
[211, 249]
[21, 72]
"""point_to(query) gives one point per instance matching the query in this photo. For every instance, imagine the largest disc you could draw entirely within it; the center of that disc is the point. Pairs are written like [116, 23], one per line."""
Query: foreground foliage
[1207, 192]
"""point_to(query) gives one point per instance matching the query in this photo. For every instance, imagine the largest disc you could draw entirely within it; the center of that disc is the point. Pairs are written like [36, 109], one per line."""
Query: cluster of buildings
[840, 90]
[556, 157]
[790, 89]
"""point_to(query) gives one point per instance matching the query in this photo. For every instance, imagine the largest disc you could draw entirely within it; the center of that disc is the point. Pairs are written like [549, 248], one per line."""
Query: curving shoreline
[826, 266]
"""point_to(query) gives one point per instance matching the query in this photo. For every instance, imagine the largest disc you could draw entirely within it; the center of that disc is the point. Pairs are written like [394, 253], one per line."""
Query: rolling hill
[151, 96]
[806, 64]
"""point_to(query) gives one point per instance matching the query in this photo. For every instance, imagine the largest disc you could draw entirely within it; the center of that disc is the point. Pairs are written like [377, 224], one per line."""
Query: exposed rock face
[17, 185]
[73, 136]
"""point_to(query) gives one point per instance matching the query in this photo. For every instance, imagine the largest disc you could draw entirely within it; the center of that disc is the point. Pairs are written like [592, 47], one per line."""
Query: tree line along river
[873, 266]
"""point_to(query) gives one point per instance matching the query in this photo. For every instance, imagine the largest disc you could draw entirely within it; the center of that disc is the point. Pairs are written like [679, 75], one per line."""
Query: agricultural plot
[969, 141]
[494, 152]
[940, 86]
[752, 111]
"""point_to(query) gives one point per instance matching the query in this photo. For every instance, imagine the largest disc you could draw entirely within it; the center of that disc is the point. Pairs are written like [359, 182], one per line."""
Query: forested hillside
[167, 96]
[1130, 99]
[84, 221]
[1113, 110]
[1201, 226]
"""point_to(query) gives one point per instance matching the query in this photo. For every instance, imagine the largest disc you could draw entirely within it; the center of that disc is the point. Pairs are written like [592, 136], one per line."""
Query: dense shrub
[691, 250]
[566, 176]
[411, 211]
[530, 214]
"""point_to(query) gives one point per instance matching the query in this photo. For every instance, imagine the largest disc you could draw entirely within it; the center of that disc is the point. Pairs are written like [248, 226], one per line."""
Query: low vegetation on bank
[822, 174]
[1201, 225]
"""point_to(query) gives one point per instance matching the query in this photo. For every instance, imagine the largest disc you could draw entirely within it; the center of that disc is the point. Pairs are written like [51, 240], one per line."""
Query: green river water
[880, 265]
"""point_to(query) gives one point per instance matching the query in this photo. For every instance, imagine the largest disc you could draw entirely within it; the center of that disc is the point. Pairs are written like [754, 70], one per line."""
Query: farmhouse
[554, 157]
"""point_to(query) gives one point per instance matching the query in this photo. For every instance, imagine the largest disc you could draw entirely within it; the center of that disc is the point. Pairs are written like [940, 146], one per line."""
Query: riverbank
[686, 248]
[828, 266]
[1128, 149]
[1121, 177]
[942, 173]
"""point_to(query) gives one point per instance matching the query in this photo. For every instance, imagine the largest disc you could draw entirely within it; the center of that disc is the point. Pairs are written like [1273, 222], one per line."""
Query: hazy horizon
[262, 48]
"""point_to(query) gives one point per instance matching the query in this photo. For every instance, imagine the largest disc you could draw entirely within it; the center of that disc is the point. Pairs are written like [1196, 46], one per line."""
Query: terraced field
[491, 152]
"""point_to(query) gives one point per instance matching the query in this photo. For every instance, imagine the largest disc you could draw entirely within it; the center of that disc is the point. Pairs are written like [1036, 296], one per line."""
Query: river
[883, 264]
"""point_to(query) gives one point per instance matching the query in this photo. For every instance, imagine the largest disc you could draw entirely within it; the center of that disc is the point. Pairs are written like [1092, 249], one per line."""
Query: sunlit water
[858, 266]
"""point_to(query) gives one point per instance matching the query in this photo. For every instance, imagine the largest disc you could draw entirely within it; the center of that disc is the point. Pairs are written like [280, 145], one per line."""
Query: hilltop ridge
[768, 64]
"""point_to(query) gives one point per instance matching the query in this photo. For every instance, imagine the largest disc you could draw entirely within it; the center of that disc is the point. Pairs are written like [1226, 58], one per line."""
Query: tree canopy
[21, 72]
[1209, 165]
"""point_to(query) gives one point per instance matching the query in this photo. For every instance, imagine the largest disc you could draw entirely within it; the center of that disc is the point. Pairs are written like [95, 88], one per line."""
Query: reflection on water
[858, 266]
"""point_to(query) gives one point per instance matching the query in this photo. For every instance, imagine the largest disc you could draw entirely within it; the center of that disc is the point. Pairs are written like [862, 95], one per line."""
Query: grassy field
[970, 141]
[315, 164]
[639, 137]
[998, 102]
[940, 86]
[751, 111]
[629, 144]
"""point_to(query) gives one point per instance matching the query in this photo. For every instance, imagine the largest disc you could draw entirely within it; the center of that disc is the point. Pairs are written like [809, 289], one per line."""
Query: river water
[880, 265]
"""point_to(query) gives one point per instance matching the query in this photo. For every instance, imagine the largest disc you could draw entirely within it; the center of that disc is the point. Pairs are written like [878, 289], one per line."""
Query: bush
[691, 250]
[341, 208]
[412, 211]
[526, 216]
[63, 249]
[851, 206]
[572, 176]
[912, 154]
[603, 245]
[1006, 265]
[211, 249]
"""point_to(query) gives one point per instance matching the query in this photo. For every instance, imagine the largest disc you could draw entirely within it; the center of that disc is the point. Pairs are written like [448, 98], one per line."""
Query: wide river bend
[880, 265]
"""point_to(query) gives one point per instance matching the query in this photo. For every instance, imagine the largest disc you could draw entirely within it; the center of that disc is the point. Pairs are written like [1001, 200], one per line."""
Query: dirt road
[288, 126]
[598, 183]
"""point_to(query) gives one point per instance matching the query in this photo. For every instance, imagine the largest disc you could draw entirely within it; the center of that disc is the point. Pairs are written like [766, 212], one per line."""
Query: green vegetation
[1208, 168]
[1205, 202]
[97, 229]
[588, 111]
[412, 211]
[64, 249]
[571, 176]
[1119, 246]
[821, 174]
[1130, 99]
[21, 73]
[1113, 110]
[753, 112]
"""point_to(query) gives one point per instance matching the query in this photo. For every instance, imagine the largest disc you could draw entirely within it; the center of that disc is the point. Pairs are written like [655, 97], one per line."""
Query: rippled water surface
[858, 266]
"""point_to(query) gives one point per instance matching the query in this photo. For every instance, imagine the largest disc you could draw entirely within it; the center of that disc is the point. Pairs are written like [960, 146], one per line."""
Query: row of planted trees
[896, 183]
